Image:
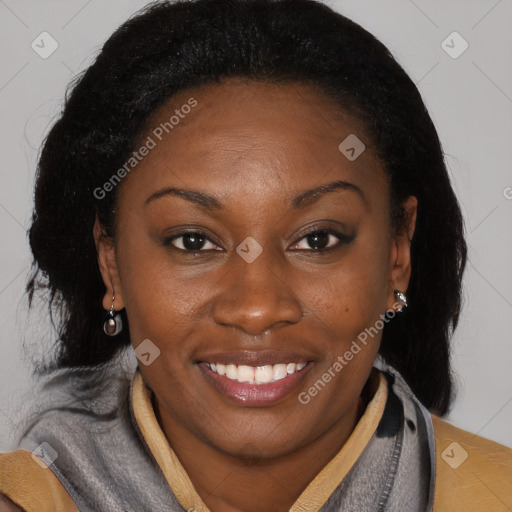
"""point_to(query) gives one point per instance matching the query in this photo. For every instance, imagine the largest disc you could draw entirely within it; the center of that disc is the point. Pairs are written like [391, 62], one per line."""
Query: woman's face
[247, 238]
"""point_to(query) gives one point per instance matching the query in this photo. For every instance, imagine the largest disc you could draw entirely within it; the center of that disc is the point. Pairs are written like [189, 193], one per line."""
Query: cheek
[351, 295]
[157, 301]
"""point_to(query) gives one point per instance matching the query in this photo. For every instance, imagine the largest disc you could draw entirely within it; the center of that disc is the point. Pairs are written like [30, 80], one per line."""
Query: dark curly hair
[170, 46]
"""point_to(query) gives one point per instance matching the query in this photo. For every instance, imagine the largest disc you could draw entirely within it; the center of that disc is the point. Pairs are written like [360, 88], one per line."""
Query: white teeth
[232, 372]
[256, 375]
[245, 373]
[280, 371]
[264, 374]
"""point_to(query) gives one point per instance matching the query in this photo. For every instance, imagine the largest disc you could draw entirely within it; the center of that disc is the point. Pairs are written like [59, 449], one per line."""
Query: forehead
[244, 135]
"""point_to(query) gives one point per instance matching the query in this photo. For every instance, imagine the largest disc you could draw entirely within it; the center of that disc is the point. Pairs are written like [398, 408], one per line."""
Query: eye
[321, 239]
[191, 241]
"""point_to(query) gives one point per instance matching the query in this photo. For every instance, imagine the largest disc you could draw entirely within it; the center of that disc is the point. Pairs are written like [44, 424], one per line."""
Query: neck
[230, 484]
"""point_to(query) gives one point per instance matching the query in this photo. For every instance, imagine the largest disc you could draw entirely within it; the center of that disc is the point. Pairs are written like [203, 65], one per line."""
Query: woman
[252, 195]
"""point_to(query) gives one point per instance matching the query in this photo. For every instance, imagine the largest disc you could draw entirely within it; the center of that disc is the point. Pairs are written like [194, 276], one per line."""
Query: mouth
[252, 381]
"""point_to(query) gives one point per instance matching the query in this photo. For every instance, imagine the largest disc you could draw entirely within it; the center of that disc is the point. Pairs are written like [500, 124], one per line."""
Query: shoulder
[30, 484]
[472, 473]
[77, 410]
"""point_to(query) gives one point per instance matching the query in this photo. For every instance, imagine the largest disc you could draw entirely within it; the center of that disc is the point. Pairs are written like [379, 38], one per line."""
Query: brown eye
[321, 239]
[193, 241]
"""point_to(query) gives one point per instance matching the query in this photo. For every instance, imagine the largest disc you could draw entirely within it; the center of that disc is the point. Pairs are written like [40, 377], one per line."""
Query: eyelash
[342, 240]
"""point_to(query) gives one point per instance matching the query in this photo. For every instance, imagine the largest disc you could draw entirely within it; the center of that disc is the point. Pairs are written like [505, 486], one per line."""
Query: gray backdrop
[467, 90]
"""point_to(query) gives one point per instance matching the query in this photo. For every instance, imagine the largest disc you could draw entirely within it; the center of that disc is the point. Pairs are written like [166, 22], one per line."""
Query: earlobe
[108, 268]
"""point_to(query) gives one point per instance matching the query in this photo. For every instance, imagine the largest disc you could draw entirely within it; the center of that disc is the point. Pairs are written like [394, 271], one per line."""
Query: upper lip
[255, 358]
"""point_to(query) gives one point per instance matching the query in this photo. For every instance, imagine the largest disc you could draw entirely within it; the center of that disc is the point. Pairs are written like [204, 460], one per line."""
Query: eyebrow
[212, 203]
[194, 196]
[312, 196]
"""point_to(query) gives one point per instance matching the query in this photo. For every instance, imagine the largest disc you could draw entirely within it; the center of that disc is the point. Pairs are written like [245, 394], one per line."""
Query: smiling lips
[264, 374]
[255, 378]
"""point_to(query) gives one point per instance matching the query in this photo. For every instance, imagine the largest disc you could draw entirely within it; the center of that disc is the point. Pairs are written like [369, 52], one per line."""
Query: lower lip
[254, 395]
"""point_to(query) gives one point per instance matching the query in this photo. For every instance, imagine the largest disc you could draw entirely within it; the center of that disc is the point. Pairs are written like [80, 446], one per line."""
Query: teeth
[280, 371]
[245, 373]
[256, 375]
[232, 372]
[264, 374]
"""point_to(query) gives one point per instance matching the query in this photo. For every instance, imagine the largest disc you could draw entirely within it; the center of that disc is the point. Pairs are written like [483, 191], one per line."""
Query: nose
[255, 298]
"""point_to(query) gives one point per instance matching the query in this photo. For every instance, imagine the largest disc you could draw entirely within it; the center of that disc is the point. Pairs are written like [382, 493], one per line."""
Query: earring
[399, 296]
[113, 323]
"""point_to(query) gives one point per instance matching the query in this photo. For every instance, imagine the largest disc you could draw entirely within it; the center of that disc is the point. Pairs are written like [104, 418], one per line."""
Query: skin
[6, 505]
[255, 146]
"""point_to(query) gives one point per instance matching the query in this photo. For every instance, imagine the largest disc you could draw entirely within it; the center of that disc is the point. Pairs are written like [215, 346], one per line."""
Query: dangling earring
[399, 296]
[113, 323]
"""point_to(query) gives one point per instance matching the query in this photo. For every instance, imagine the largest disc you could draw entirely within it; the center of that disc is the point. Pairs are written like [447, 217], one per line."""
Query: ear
[400, 261]
[108, 267]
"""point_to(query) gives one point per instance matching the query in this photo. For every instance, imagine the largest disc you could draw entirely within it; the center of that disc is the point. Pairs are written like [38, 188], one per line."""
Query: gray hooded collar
[105, 464]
